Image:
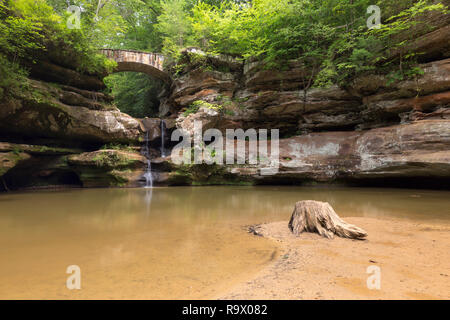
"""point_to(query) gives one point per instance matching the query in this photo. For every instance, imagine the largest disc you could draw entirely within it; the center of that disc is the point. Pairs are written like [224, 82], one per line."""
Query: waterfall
[148, 175]
[163, 153]
[146, 152]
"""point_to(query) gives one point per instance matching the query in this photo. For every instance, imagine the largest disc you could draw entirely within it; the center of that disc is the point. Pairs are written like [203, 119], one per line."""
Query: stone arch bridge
[138, 61]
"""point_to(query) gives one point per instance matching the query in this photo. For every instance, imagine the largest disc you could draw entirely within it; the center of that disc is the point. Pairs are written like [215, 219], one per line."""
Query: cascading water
[148, 173]
[163, 152]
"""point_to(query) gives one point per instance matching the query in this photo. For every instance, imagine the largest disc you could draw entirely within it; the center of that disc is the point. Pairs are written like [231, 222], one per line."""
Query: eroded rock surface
[109, 168]
[372, 130]
[51, 112]
[58, 117]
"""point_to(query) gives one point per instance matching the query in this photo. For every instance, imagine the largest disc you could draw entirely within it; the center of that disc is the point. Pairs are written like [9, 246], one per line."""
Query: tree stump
[319, 217]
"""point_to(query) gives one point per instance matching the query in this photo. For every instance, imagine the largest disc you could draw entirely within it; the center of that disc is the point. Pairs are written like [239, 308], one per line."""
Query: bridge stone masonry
[138, 61]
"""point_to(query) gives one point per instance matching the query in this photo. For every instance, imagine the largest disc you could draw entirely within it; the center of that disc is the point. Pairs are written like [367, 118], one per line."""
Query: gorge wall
[371, 132]
[56, 131]
[62, 129]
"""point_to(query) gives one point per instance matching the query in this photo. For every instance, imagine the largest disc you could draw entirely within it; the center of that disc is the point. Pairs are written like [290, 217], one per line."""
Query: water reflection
[164, 242]
[148, 200]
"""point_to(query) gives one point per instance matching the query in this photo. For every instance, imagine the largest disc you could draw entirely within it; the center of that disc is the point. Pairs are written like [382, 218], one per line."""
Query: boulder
[153, 127]
[109, 168]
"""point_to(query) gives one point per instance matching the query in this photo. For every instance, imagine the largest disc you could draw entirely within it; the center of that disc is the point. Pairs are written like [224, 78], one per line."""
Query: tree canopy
[330, 37]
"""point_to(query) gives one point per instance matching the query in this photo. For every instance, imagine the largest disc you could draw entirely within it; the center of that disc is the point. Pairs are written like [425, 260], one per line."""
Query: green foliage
[193, 108]
[34, 28]
[22, 27]
[12, 77]
[329, 37]
[122, 24]
[30, 30]
[196, 105]
[178, 69]
[135, 93]
[173, 25]
[17, 150]
[395, 35]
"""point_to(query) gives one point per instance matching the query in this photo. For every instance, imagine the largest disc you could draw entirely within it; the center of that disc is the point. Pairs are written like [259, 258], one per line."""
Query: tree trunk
[319, 217]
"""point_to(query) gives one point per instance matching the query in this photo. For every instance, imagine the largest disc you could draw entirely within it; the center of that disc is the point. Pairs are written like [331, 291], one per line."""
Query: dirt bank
[413, 258]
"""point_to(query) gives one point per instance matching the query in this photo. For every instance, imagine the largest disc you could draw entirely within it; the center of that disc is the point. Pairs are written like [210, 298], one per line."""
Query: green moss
[117, 146]
[190, 110]
[223, 69]
[245, 99]
[203, 175]
[112, 160]
[197, 59]
[228, 112]
[117, 178]
[52, 150]
[196, 105]
[222, 182]
[94, 177]
[192, 60]
[207, 68]
[51, 113]
[179, 68]
[54, 85]
[17, 150]
[9, 160]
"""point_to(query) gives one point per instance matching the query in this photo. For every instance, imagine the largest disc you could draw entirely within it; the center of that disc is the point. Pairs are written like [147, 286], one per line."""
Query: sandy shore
[414, 260]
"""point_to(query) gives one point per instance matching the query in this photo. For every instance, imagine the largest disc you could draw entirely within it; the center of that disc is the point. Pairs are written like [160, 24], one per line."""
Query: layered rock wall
[372, 130]
[63, 130]
[59, 117]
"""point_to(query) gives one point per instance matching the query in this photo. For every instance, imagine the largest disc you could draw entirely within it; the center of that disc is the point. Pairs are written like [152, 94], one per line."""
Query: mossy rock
[108, 168]
[204, 174]
[9, 160]
[37, 149]
[109, 159]
[95, 178]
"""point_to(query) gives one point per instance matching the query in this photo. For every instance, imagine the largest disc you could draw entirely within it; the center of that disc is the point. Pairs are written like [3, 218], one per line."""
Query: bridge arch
[138, 61]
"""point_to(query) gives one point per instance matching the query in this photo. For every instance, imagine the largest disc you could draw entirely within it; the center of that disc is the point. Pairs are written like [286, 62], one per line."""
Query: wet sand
[414, 260]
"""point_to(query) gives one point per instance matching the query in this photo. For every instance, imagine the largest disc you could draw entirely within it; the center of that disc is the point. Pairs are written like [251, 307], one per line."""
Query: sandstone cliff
[372, 131]
[62, 129]
[60, 116]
